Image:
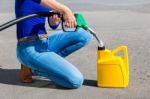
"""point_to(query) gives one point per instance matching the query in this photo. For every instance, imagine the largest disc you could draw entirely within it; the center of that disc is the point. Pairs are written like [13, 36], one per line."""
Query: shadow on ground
[11, 77]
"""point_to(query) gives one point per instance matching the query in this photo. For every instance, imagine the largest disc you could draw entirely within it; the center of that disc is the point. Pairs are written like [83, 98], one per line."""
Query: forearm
[55, 5]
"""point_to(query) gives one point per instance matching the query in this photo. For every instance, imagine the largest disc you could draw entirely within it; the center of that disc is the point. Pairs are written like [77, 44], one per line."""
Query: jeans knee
[76, 82]
[84, 36]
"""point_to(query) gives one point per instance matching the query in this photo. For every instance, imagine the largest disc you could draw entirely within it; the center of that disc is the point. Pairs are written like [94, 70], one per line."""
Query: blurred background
[91, 5]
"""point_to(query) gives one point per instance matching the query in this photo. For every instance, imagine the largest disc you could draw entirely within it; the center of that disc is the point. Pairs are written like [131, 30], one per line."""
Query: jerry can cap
[101, 48]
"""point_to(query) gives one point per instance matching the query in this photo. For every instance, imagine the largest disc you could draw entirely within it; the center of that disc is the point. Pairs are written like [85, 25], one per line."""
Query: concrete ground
[115, 27]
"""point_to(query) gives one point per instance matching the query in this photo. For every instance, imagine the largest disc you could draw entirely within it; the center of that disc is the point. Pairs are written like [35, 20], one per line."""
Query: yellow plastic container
[112, 70]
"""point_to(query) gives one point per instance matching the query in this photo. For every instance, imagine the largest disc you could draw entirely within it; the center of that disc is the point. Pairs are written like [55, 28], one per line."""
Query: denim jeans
[47, 56]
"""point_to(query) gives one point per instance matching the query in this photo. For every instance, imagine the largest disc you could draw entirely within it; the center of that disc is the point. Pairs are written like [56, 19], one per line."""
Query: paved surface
[115, 27]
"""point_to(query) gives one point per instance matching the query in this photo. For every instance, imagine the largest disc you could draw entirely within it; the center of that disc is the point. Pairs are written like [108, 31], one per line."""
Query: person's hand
[69, 18]
[54, 20]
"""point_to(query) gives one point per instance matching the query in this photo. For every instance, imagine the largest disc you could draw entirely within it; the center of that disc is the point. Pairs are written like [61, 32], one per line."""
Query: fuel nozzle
[81, 23]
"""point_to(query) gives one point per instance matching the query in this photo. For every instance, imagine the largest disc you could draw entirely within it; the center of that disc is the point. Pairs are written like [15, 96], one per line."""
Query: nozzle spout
[101, 45]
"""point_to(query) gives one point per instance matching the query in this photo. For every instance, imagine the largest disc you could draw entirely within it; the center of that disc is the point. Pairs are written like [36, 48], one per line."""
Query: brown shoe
[25, 74]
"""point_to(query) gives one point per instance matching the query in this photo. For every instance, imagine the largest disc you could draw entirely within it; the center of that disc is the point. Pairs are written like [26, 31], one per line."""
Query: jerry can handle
[125, 50]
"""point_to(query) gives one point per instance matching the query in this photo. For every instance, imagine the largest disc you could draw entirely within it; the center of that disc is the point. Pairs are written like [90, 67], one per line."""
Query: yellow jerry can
[112, 70]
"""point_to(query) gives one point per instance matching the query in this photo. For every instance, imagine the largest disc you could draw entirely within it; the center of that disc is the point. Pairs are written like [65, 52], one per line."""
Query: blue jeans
[47, 56]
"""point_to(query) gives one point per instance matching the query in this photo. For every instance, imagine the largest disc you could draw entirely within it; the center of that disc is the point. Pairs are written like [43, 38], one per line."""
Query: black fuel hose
[15, 21]
[46, 14]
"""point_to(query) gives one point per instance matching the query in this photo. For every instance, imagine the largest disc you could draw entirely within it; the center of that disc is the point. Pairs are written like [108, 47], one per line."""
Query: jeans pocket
[42, 45]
